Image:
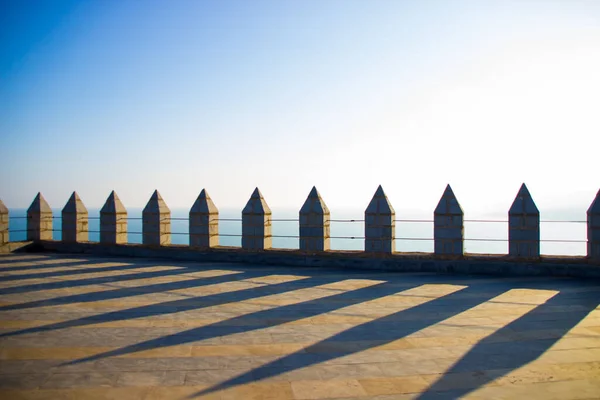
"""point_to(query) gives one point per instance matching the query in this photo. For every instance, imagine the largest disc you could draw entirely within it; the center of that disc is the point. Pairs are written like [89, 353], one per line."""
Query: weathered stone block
[204, 222]
[256, 223]
[113, 221]
[39, 219]
[448, 227]
[3, 224]
[524, 226]
[314, 223]
[380, 224]
[156, 222]
[75, 220]
[593, 228]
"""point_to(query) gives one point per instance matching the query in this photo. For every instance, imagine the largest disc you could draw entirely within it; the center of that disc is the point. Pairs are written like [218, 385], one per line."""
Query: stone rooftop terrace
[76, 327]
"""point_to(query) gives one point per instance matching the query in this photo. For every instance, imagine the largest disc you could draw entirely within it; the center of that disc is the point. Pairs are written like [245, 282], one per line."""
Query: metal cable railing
[336, 220]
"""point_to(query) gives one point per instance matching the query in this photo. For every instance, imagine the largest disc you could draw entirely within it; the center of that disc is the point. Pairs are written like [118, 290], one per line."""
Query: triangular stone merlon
[204, 205]
[593, 228]
[256, 223]
[3, 224]
[156, 205]
[448, 204]
[256, 204]
[113, 205]
[75, 205]
[380, 225]
[314, 223]
[3, 208]
[75, 220]
[113, 221]
[204, 222]
[524, 226]
[39, 205]
[314, 204]
[156, 222]
[448, 225]
[594, 207]
[380, 204]
[523, 203]
[39, 219]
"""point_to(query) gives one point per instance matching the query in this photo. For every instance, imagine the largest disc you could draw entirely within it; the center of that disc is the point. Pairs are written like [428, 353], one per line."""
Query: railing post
[448, 228]
[156, 222]
[204, 222]
[3, 224]
[593, 228]
[524, 226]
[256, 223]
[380, 224]
[75, 220]
[39, 219]
[314, 223]
[113, 221]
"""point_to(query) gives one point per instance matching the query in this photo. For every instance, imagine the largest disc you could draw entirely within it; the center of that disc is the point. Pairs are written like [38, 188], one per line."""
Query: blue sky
[345, 95]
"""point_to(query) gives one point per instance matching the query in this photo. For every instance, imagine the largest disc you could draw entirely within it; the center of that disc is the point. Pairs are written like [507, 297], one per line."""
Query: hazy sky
[345, 95]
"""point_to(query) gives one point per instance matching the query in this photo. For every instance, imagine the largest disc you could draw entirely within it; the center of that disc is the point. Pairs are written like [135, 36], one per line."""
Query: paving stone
[22, 381]
[327, 389]
[74, 380]
[80, 327]
[151, 378]
[394, 385]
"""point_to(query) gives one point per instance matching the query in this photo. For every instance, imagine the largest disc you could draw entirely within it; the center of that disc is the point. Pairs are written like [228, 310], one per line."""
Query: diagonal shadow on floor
[95, 281]
[136, 290]
[493, 357]
[180, 305]
[74, 270]
[262, 319]
[370, 334]
[8, 258]
[46, 263]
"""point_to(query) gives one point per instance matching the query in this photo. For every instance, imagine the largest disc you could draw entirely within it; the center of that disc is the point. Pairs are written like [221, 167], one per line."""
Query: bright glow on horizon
[344, 95]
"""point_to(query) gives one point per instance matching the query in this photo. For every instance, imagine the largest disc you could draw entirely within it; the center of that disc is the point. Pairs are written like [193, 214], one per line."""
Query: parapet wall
[575, 267]
[314, 232]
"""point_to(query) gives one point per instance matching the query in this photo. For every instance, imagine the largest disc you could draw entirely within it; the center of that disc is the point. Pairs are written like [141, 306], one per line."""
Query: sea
[562, 233]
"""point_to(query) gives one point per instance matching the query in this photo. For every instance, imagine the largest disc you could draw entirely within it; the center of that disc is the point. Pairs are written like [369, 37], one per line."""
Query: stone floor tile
[159, 364]
[22, 381]
[13, 394]
[329, 389]
[497, 344]
[394, 385]
[259, 391]
[350, 371]
[462, 380]
[402, 368]
[211, 377]
[85, 379]
[149, 378]
[564, 390]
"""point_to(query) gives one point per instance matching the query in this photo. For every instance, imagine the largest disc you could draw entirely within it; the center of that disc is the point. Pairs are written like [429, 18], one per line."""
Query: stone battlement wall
[314, 226]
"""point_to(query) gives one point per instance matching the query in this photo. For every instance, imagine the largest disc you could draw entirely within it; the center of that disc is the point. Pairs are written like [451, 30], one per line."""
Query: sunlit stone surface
[156, 221]
[39, 219]
[113, 221]
[204, 222]
[380, 224]
[3, 224]
[75, 224]
[131, 328]
[448, 227]
[524, 226]
[256, 223]
[314, 223]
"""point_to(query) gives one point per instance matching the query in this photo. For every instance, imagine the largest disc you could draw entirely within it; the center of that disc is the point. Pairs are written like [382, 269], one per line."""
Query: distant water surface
[285, 232]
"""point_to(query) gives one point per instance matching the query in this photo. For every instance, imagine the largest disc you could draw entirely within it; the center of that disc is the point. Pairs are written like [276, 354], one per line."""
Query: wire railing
[334, 220]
